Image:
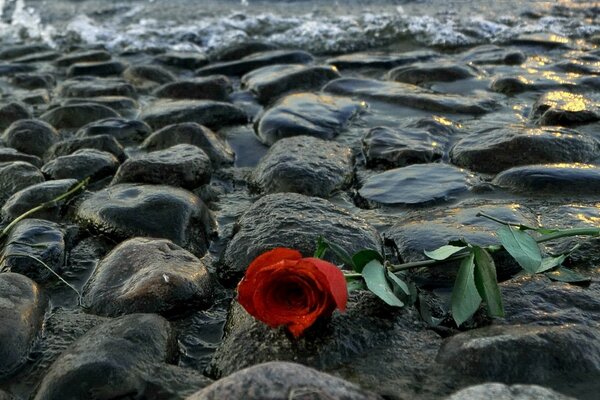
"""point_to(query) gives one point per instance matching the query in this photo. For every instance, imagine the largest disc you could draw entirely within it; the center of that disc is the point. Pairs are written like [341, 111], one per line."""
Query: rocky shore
[201, 162]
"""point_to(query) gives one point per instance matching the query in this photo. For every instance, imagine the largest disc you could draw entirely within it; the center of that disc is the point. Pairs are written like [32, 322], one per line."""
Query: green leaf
[321, 248]
[465, 298]
[551, 262]
[443, 252]
[522, 247]
[563, 274]
[398, 283]
[363, 257]
[545, 231]
[486, 282]
[375, 278]
[355, 284]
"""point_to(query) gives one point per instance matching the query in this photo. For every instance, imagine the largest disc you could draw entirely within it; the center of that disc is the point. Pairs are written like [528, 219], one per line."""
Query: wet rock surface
[147, 275]
[513, 392]
[82, 164]
[582, 179]
[203, 112]
[306, 114]
[256, 60]
[281, 220]
[306, 165]
[34, 195]
[30, 136]
[22, 307]
[77, 115]
[124, 130]
[15, 176]
[128, 210]
[104, 143]
[216, 87]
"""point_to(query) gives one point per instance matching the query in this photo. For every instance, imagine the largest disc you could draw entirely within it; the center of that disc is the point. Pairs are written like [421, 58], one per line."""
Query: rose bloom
[282, 288]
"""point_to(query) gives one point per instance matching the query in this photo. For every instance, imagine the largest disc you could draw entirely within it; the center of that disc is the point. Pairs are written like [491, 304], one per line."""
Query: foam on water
[134, 25]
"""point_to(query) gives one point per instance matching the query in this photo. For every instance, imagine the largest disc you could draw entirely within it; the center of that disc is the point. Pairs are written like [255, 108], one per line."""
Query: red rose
[282, 288]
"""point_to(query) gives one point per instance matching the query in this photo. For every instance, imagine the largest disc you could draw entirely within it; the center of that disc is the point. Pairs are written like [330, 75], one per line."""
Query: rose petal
[335, 279]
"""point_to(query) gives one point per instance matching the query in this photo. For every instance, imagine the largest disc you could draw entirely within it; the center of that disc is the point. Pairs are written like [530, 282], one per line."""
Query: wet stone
[430, 230]
[204, 112]
[35, 97]
[542, 82]
[269, 83]
[423, 73]
[81, 164]
[192, 133]
[22, 307]
[34, 81]
[115, 358]
[183, 60]
[125, 106]
[565, 179]
[15, 176]
[100, 68]
[104, 143]
[8, 154]
[381, 60]
[126, 131]
[34, 238]
[496, 149]
[492, 55]
[535, 354]
[281, 380]
[129, 210]
[505, 392]
[414, 144]
[96, 88]
[547, 40]
[77, 115]
[417, 184]
[147, 76]
[147, 275]
[82, 56]
[291, 220]
[13, 112]
[7, 69]
[10, 52]
[321, 116]
[214, 87]
[34, 195]
[183, 165]
[30, 136]
[579, 66]
[38, 57]
[256, 60]
[565, 108]
[241, 50]
[389, 350]
[412, 96]
[306, 165]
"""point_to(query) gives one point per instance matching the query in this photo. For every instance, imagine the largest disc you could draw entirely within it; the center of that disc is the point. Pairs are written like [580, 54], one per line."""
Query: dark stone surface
[105, 143]
[423, 73]
[22, 307]
[112, 360]
[128, 210]
[565, 108]
[412, 96]
[35, 238]
[282, 380]
[82, 164]
[82, 56]
[8, 154]
[182, 165]
[204, 112]
[147, 76]
[308, 114]
[306, 165]
[77, 115]
[182, 59]
[191, 133]
[496, 149]
[19, 50]
[269, 83]
[38, 57]
[241, 50]
[214, 87]
[86, 88]
[417, 184]
[126, 131]
[551, 179]
[514, 392]
[490, 54]
[15, 176]
[33, 196]
[12, 112]
[147, 275]
[256, 60]
[30, 136]
[125, 106]
[34, 81]
[96, 68]
[292, 220]
[381, 60]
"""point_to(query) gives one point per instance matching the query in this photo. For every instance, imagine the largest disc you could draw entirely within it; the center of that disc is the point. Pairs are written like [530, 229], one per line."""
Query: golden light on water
[567, 101]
